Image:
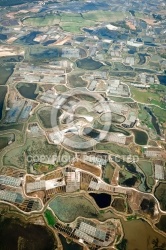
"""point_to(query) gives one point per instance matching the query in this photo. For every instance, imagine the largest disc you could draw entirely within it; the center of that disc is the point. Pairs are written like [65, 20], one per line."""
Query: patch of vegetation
[160, 114]
[68, 21]
[127, 179]
[88, 64]
[119, 204]
[145, 117]
[121, 67]
[103, 16]
[76, 27]
[76, 81]
[30, 153]
[42, 21]
[149, 97]
[48, 117]
[4, 140]
[60, 88]
[114, 148]
[108, 172]
[147, 168]
[43, 167]
[64, 158]
[120, 99]
[122, 245]
[50, 217]
[132, 217]
[71, 17]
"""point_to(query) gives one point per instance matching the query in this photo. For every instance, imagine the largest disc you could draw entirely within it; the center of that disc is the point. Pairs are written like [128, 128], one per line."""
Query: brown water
[140, 236]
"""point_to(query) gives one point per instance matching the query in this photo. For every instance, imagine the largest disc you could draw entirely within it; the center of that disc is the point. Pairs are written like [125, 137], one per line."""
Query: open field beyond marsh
[74, 22]
[144, 96]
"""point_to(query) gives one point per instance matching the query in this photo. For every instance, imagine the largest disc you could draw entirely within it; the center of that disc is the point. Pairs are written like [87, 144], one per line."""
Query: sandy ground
[40, 38]
[88, 167]
[61, 42]
[131, 26]
[115, 177]
[9, 51]
[12, 14]
[149, 21]
[11, 39]
[111, 27]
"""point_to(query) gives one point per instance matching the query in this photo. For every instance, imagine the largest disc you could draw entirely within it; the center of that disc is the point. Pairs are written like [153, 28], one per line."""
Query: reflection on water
[103, 200]
[162, 79]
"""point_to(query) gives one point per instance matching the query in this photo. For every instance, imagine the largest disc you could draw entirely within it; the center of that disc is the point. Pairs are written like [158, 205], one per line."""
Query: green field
[120, 99]
[46, 117]
[65, 157]
[104, 16]
[67, 21]
[71, 17]
[144, 96]
[75, 80]
[76, 23]
[41, 168]
[143, 114]
[139, 15]
[61, 88]
[144, 117]
[42, 21]
[147, 167]
[4, 140]
[73, 23]
[50, 217]
[149, 96]
[160, 114]
[108, 173]
[114, 148]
